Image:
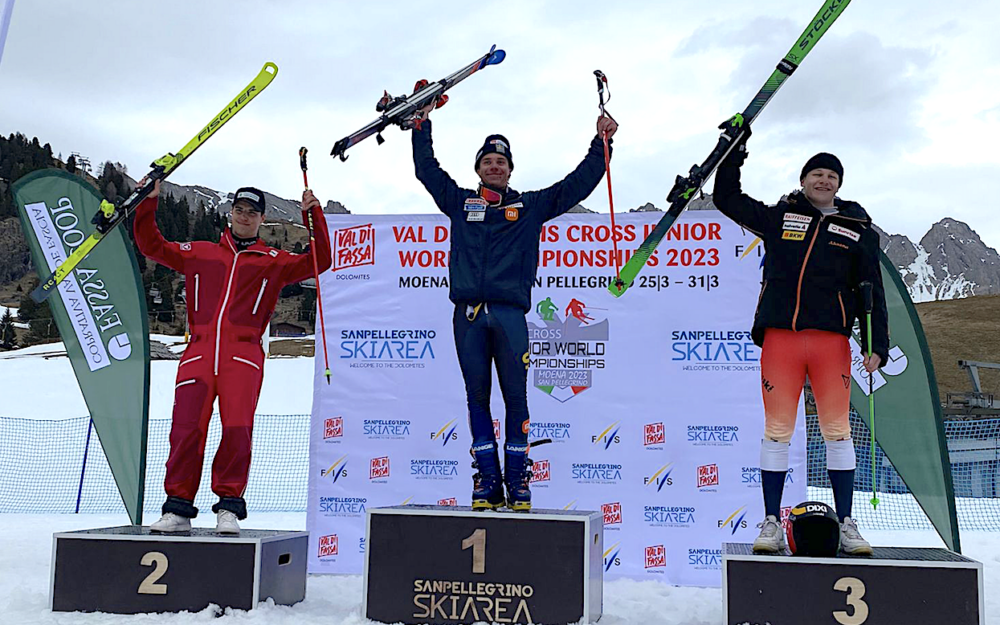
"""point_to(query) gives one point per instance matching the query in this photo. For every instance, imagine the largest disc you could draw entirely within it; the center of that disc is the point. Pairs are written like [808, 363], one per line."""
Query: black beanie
[824, 160]
[495, 144]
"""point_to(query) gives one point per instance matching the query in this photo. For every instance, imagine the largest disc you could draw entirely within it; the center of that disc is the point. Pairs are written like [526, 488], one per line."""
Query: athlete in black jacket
[495, 232]
[819, 249]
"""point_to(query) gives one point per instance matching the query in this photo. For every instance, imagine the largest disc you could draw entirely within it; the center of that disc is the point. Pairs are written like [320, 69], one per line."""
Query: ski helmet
[813, 530]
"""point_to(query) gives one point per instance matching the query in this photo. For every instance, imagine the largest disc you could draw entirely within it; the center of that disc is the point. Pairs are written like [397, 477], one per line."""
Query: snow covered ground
[25, 558]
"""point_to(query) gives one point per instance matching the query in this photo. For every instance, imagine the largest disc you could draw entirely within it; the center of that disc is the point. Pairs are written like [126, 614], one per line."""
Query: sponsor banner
[652, 402]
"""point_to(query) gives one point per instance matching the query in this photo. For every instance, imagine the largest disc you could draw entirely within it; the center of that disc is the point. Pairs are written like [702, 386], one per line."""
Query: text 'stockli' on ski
[402, 110]
[110, 216]
[685, 188]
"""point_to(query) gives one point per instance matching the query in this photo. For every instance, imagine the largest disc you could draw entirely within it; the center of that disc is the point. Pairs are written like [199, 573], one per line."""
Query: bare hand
[156, 187]
[872, 363]
[309, 200]
[606, 125]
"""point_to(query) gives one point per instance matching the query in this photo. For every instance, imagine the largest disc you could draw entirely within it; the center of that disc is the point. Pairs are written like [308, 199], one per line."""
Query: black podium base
[897, 585]
[129, 570]
[446, 564]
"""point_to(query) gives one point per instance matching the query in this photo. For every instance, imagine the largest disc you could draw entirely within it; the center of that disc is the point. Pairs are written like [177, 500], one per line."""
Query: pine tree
[8, 339]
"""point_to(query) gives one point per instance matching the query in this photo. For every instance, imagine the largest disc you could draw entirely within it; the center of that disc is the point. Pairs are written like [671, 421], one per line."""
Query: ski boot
[487, 487]
[517, 477]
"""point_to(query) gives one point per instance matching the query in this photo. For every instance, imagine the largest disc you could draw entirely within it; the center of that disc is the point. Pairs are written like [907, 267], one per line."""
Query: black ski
[401, 110]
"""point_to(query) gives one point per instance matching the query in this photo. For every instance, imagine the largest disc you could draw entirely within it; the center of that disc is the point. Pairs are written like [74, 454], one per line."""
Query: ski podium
[445, 564]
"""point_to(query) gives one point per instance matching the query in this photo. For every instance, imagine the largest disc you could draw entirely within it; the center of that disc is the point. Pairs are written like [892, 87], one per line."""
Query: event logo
[608, 436]
[387, 349]
[669, 516]
[656, 557]
[653, 434]
[328, 546]
[612, 513]
[449, 501]
[333, 428]
[342, 506]
[735, 521]
[338, 469]
[558, 432]
[565, 352]
[714, 350]
[379, 468]
[705, 559]
[571, 505]
[446, 433]
[661, 478]
[353, 247]
[750, 477]
[386, 429]
[611, 556]
[433, 469]
[596, 473]
[708, 476]
[713, 435]
[540, 471]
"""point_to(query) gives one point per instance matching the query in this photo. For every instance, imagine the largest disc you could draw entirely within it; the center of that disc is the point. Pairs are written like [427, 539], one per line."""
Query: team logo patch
[273, 253]
[797, 217]
[185, 247]
[844, 232]
[500, 146]
[475, 204]
[791, 235]
[475, 216]
[248, 195]
[795, 225]
[515, 205]
[510, 213]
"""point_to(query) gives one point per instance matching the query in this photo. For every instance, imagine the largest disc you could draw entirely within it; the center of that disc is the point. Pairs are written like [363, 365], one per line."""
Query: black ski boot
[517, 477]
[487, 487]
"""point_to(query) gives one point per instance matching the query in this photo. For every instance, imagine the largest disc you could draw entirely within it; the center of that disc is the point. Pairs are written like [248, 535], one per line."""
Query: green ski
[732, 131]
[110, 216]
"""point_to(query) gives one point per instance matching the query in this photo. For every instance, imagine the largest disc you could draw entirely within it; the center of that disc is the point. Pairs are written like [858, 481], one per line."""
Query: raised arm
[729, 198]
[582, 181]
[148, 237]
[300, 266]
[444, 190]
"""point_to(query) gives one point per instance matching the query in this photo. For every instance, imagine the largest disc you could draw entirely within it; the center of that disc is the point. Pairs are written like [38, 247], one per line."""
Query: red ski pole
[312, 246]
[602, 81]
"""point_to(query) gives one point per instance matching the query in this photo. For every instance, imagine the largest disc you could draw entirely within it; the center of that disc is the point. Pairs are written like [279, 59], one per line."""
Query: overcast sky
[906, 94]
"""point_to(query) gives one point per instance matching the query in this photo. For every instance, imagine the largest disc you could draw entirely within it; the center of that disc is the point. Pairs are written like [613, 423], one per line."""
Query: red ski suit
[230, 299]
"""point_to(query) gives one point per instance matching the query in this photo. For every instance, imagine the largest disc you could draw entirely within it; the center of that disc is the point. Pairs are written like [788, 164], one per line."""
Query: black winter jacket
[494, 248]
[813, 263]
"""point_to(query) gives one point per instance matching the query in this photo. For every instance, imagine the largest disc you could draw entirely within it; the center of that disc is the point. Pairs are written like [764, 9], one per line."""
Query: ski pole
[602, 82]
[312, 245]
[866, 294]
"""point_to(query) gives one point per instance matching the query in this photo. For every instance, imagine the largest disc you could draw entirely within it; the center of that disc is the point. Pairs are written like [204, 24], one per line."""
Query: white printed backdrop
[652, 400]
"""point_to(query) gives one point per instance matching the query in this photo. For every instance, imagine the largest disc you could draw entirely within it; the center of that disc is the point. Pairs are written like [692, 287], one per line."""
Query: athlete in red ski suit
[231, 295]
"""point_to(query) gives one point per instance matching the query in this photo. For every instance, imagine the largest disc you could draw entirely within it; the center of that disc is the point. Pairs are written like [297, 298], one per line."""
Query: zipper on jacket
[843, 313]
[222, 311]
[196, 289]
[802, 273]
[260, 294]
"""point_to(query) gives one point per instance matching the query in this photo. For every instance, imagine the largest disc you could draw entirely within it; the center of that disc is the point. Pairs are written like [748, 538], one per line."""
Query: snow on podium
[445, 564]
[129, 570]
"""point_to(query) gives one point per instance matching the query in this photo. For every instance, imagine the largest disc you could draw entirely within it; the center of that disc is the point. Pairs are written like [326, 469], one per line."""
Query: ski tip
[270, 68]
[496, 57]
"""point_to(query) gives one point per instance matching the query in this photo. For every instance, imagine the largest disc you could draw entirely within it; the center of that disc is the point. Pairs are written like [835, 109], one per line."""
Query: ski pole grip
[866, 295]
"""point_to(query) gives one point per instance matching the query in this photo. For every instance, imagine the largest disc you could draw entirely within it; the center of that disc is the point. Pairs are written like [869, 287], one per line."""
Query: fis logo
[754, 248]
[608, 437]
[653, 434]
[450, 501]
[661, 478]
[333, 428]
[612, 513]
[611, 557]
[571, 505]
[338, 469]
[540, 471]
[735, 521]
[328, 546]
[656, 557]
[708, 475]
[379, 468]
[446, 433]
